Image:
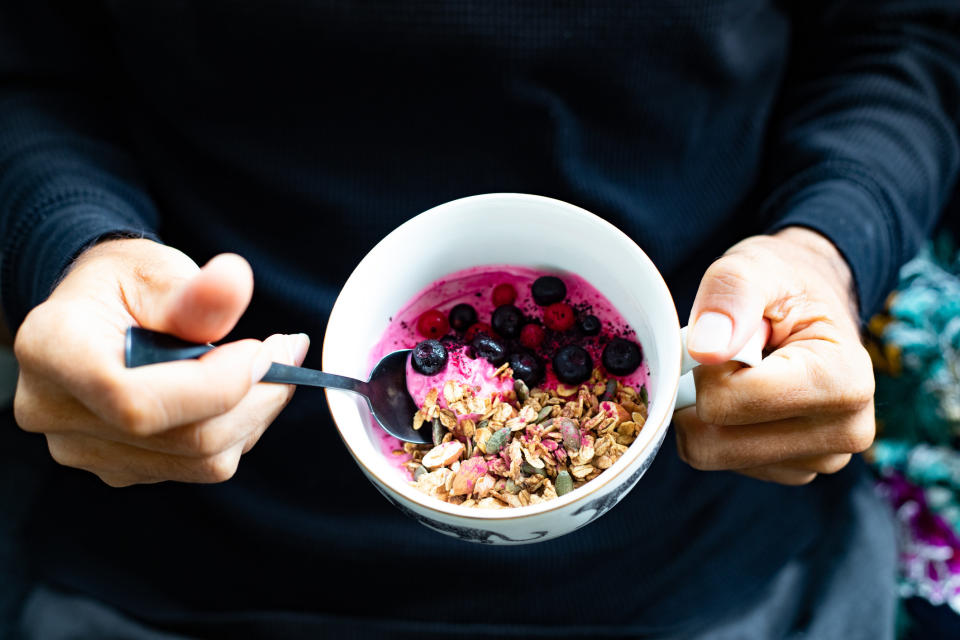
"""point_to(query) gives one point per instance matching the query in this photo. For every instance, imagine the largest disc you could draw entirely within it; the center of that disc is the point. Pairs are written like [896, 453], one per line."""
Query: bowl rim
[444, 509]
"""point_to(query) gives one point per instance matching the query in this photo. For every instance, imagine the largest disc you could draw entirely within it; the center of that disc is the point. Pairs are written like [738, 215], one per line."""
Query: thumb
[205, 307]
[729, 308]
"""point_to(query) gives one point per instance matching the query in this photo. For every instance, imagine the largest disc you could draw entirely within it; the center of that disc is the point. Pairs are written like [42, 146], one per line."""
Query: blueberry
[547, 290]
[429, 357]
[527, 367]
[572, 364]
[489, 349]
[621, 357]
[589, 325]
[462, 317]
[507, 320]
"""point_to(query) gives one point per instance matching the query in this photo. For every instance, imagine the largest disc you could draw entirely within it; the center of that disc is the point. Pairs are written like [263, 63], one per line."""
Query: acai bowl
[532, 235]
[529, 383]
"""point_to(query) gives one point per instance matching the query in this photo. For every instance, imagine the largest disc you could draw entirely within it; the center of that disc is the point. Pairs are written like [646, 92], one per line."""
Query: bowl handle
[750, 355]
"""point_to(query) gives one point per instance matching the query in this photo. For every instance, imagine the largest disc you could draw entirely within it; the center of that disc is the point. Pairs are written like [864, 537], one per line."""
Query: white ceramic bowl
[503, 228]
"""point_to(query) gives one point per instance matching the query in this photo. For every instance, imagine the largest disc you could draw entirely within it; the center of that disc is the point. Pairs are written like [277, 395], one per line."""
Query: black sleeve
[865, 145]
[65, 178]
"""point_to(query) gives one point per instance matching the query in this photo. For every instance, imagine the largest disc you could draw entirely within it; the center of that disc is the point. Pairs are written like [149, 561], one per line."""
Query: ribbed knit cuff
[34, 268]
[857, 223]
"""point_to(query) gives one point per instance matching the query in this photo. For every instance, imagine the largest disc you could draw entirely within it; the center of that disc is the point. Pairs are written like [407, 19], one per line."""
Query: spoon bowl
[386, 390]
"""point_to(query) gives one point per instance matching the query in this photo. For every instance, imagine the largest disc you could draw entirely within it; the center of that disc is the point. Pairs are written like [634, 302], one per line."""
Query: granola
[526, 446]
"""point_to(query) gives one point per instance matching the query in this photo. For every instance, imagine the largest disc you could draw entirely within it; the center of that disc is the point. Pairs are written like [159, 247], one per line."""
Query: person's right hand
[188, 421]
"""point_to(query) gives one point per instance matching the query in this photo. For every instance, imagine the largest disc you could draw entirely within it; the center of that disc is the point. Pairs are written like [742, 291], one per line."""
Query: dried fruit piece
[563, 484]
[443, 455]
[470, 471]
[614, 410]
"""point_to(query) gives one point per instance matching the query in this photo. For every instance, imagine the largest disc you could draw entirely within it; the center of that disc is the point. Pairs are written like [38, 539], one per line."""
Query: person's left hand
[809, 405]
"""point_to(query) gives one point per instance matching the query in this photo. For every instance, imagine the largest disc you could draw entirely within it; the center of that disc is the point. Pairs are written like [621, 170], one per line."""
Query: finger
[202, 308]
[733, 296]
[120, 464]
[780, 475]
[711, 447]
[826, 464]
[823, 376]
[245, 423]
[41, 406]
[150, 399]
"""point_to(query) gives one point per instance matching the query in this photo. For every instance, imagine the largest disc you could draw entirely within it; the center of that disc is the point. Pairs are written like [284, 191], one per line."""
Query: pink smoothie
[475, 286]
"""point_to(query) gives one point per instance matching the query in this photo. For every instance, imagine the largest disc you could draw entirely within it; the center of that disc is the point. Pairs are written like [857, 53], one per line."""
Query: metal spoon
[386, 391]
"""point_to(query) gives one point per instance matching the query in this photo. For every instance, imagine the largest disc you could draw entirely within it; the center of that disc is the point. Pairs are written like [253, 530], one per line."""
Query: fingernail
[261, 365]
[299, 343]
[711, 333]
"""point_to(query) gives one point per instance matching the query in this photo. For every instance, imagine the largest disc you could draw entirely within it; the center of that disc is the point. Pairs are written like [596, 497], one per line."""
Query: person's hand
[188, 421]
[809, 405]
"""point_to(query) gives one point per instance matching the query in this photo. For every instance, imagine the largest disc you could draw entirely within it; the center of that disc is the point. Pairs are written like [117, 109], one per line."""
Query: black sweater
[298, 135]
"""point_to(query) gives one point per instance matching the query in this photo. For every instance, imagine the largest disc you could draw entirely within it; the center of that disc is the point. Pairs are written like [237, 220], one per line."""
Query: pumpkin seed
[571, 434]
[643, 396]
[512, 487]
[437, 432]
[531, 470]
[545, 413]
[522, 391]
[419, 471]
[610, 391]
[497, 441]
[563, 484]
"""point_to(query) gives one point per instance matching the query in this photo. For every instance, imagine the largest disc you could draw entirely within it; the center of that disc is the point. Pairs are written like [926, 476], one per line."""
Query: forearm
[67, 178]
[864, 148]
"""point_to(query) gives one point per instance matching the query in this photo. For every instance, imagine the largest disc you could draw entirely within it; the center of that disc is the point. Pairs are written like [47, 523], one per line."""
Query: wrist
[823, 255]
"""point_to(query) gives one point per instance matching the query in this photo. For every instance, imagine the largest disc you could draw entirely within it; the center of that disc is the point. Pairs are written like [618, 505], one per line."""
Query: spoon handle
[151, 347]
[286, 374]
